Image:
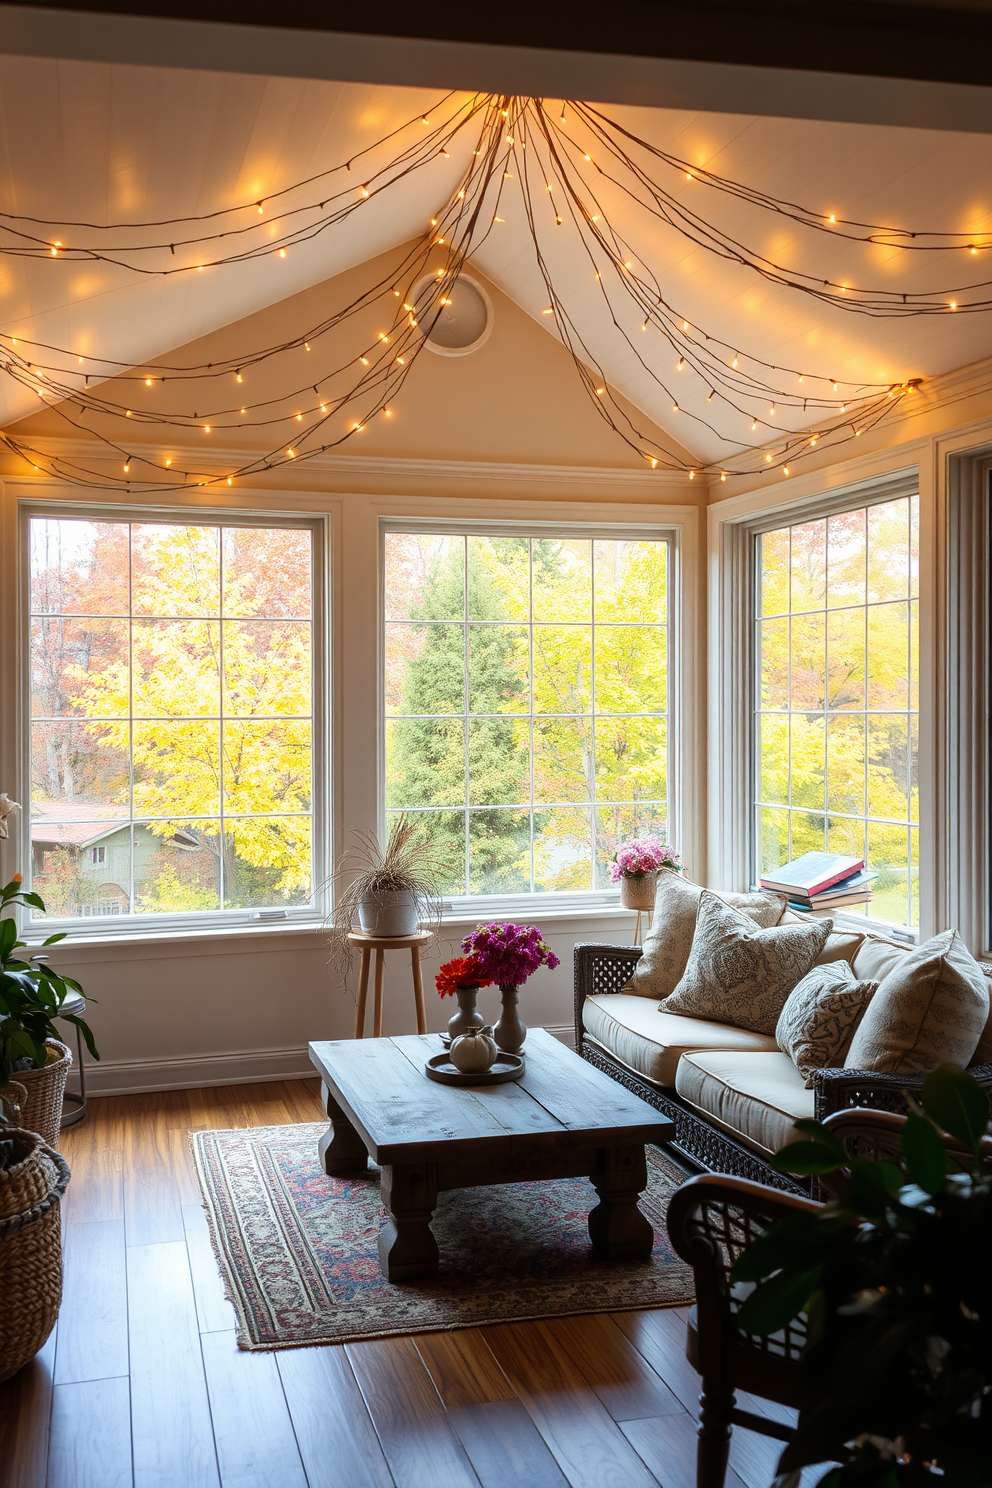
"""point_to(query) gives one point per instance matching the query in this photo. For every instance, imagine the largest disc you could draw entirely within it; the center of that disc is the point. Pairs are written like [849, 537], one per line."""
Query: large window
[171, 717]
[837, 706]
[526, 702]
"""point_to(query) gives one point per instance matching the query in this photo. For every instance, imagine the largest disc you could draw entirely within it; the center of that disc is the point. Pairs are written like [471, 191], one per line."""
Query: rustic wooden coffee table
[563, 1119]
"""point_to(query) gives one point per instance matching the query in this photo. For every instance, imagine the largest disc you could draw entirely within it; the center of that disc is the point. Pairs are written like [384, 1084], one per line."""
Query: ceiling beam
[916, 63]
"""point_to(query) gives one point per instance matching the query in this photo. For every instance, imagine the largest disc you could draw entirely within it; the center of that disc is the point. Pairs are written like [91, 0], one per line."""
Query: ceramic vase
[468, 1019]
[637, 891]
[511, 1030]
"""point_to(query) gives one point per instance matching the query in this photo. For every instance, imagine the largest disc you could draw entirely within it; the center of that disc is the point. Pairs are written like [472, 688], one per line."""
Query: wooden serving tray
[506, 1067]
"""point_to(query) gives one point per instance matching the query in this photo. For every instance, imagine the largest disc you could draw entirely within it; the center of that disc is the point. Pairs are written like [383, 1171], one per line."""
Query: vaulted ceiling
[96, 143]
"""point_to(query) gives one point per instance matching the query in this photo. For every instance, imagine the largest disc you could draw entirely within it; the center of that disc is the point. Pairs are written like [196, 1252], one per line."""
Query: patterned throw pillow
[673, 924]
[738, 974]
[930, 1009]
[819, 1018]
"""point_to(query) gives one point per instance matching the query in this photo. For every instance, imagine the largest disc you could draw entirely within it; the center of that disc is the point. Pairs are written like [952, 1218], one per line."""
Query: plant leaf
[53, 938]
[957, 1103]
[782, 1244]
[808, 1157]
[924, 1152]
[777, 1301]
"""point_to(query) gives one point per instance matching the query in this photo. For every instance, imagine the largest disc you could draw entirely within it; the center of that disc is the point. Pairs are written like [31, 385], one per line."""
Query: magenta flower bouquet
[642, 855]
[508, 955]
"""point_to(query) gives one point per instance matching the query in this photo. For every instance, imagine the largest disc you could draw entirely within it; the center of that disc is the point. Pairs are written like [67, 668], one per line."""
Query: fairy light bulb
[734, 362]
[261, 209]
[299, 418]
[363, 192]
[712, 395]
[306, 346]
[785, 469]
[692, 475]
[168, 462]
[148, 382]
[831, 218]
[754, 425]
[549, 311]
[768, 459]
[954, 304]
[364, 361]
[238, 377]
[127, 465]
[723, 475]
[681, 361]
[282, 253]
[600, 391]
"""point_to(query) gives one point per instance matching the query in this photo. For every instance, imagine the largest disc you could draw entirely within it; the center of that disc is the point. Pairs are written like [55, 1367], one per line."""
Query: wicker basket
[45, 1088]
[30, 1248]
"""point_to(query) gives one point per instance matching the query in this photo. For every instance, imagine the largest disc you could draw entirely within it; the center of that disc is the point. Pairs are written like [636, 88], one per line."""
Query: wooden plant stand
[381, 944]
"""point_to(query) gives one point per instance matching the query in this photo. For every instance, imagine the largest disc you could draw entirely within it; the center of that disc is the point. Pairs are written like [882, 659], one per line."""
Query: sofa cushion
[673, 924]
[817, 1023]
[757, 1097]
[876, 957]
[651, 1041]
[931, 1007]
[740, 974]
[842, 945]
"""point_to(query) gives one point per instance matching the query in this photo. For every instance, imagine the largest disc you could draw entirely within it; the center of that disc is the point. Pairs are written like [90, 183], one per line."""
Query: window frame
[732, 628]
[469, 906]
[757, 532]
[124, 927]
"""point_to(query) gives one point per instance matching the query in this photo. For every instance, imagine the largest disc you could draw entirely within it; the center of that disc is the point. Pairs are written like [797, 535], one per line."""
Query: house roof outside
[62, 824]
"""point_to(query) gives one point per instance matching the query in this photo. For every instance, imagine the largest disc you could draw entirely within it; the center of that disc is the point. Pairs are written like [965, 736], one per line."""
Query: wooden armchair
[711, 1219]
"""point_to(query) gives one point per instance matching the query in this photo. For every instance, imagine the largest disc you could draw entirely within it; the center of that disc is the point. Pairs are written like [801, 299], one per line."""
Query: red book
[811, 874]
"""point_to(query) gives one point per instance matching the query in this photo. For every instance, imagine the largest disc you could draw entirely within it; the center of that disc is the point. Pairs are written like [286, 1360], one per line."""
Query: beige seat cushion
[650, 1041]
[757, 1097]
[740, 974]
[842, 945]
[932, 1007]
[673, 924]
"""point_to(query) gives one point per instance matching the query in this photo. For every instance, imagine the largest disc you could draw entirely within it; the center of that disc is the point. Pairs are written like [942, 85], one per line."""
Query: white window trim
[208, 922]
[734, 525]
[459, 907]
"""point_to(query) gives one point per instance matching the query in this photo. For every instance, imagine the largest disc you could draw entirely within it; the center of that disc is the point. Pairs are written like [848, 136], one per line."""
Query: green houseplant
[391, 891]
[31, 996]
[895, 1279]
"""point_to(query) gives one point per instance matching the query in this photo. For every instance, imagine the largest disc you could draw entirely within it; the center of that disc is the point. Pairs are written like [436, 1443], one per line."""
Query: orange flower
[464, 971]
[17, 878]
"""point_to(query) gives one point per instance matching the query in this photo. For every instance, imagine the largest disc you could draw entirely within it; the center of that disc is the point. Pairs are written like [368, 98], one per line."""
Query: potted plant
[635, 867]
[31, 996]
[33, 1178]
[895, 1282]
[390, 892]
[508, 955]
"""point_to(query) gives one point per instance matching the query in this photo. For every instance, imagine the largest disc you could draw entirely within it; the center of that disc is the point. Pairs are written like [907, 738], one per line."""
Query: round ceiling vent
[462, 324]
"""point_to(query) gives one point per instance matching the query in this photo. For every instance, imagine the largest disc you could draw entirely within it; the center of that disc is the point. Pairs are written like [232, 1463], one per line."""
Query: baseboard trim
[239, 1067]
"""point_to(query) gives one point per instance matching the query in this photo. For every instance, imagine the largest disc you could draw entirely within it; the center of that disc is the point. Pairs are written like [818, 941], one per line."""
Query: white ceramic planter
[393, 913]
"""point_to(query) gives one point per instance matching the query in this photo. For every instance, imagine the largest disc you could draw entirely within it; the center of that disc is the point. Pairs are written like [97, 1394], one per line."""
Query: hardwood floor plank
[659, 1336]
[94, 1150]
[25, 1417]
[91, 1435]
[336, 1438]
[608, 1361]
[667, 1444]
[214, 1312]
[256, 1444]
[152, 1206]
[170, 1415]
[93, 1319]
[419, 1445]
[587, 1444]
[463, 1369]
[504, 1446]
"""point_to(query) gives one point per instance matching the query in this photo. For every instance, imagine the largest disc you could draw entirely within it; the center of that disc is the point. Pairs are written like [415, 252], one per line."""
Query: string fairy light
[508, 128]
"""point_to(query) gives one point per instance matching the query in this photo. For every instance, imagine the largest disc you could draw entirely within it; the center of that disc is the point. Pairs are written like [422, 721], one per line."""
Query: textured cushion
[651, 1041]
[931, 1007]
[817, 1023]
[875, 958]
[842, 945]
[983, 1054]
[742, 975]
[673, 924]
[758, 1097]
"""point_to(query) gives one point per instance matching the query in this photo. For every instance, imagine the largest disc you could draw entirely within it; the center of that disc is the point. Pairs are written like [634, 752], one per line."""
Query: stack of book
[821, 881]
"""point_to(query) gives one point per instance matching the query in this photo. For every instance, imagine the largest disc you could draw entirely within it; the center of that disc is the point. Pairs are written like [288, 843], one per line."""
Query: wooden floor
[142, 1383]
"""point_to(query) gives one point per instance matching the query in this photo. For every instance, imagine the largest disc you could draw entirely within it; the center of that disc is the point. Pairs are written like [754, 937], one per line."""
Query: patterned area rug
[297, 1250]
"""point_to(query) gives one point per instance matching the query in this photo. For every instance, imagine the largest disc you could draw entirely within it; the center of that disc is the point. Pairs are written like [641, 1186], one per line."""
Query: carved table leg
[617, 1228]
[407, 1248]
[340, 1149]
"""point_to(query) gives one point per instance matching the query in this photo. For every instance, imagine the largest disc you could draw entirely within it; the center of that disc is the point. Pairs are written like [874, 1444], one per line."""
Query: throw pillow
[739, 974]
[817, 1023]
[668, 942]
[931, 1008]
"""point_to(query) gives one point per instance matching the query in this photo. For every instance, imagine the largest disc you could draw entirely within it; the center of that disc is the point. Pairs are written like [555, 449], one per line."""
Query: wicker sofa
[732, 1095]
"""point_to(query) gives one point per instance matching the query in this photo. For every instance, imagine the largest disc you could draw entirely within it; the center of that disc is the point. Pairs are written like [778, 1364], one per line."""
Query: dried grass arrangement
[367, 873]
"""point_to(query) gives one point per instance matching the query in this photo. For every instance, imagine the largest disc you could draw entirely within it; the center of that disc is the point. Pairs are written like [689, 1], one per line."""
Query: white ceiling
[100, 143]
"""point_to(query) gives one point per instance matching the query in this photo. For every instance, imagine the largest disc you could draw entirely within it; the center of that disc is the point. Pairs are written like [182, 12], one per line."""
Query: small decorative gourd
[474, 1053]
